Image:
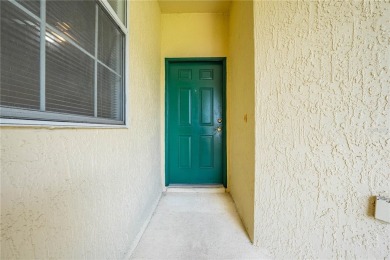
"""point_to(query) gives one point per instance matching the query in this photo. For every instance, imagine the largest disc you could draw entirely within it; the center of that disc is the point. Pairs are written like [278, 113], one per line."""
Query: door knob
[219, 129]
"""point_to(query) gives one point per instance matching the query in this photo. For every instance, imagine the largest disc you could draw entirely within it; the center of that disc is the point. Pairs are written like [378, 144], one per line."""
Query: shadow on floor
[196, 226]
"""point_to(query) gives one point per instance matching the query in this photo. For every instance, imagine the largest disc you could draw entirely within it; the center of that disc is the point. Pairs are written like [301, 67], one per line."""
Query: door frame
[222, 61]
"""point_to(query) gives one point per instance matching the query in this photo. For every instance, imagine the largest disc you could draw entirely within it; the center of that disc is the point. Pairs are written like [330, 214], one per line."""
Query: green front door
[195, 122]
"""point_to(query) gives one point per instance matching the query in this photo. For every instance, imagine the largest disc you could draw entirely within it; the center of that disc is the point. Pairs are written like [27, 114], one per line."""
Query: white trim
[112, 13]
[5, 122]
[42, 58]
[25, 114]
[95, 84]
[126, 68]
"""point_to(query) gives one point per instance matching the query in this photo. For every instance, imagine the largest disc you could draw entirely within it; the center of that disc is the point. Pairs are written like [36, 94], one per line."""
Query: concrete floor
[196, 225]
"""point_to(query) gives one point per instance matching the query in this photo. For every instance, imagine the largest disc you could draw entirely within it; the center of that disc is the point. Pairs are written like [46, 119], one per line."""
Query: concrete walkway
[196, 225]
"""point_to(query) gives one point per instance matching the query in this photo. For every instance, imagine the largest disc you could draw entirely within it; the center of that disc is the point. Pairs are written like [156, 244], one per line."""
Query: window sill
[55, 125]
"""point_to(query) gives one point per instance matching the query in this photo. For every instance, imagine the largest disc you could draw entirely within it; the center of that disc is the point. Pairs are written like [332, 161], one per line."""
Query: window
[63, 61]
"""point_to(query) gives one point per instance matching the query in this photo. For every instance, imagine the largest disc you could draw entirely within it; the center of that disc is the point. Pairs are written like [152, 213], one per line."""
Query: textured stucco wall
[186, 35]
[241, 138]
[86, 193]
[322, 127]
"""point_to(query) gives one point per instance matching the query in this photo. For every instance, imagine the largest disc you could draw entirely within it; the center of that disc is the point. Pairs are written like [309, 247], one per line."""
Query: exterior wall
[322, 127]
[241, 138]
[194, 35]
[86, 193]
[190, 35]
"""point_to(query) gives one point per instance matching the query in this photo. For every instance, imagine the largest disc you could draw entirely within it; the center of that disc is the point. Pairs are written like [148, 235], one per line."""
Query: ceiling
[194, 6]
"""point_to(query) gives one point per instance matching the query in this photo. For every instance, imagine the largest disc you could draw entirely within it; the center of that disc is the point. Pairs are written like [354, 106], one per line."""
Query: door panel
[185, 153]
[194, 105]
[185, 107]
[206, 151]
[207, 105]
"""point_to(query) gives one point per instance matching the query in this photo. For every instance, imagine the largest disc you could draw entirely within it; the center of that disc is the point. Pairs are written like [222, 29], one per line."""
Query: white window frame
[52, 116]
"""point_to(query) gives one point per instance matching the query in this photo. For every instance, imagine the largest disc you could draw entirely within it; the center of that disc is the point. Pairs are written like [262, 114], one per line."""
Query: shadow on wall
[371, 206]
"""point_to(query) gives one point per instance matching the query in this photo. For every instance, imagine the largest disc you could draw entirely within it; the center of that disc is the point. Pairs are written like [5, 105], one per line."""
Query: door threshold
[196, 188]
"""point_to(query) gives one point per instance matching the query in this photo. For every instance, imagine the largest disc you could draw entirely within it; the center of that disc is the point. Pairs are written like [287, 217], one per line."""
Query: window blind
[82, 60]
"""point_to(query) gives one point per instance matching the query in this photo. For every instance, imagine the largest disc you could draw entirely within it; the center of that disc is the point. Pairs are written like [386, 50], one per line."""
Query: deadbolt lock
[219, 120]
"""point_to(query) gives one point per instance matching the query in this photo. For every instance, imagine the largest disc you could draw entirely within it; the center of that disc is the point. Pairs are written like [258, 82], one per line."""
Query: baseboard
[142, 230]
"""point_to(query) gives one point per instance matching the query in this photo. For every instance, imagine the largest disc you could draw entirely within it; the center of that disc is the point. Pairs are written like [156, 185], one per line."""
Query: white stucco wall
[241, 137]
[322, 127]
[86, 193]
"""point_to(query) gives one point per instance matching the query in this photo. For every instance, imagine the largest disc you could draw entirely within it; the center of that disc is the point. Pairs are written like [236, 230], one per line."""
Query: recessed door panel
[206, 151]
[206, 74]
[194, 122]
[185, 74]
[185, 152]
[206, 106]
[184, 107]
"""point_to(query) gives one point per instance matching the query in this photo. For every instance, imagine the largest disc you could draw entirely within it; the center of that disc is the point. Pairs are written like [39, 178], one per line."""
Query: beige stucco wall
[194, 35]
[241, 138]
[86, 193]
[190, 35]
[322, 127]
